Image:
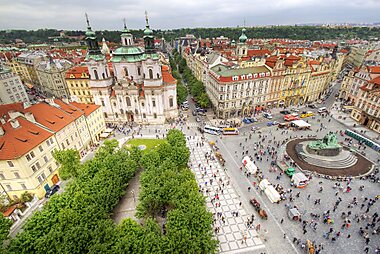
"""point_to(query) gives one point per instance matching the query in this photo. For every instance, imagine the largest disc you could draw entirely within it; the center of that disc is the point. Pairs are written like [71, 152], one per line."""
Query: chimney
[29, 116]
[15, 124]
[14, 114]
[2, 132]
[2, 120]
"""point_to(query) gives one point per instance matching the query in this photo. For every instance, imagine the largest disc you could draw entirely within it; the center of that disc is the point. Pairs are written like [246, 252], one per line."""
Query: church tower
[151, 64]
[100, 77]
[242, 47]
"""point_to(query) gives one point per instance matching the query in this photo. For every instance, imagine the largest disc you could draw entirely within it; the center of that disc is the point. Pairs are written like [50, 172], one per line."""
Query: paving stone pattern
[231, 232]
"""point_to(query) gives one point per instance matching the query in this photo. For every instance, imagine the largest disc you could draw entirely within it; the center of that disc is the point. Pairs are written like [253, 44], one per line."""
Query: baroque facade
[142, 90]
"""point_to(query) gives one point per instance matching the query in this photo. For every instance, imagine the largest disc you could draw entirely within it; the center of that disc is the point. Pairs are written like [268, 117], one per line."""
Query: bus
[230, 131]
[363, 139]
[212, 130]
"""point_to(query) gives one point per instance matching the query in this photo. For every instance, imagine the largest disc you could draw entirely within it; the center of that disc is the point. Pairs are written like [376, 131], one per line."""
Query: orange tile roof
[9, 210]
[4, 109]
[86, 108]
[258, 52]
[49, 116]
[69, 109]
[167, 76]
[374, 69]
[17, 142]
[77, 72]
[375, 81]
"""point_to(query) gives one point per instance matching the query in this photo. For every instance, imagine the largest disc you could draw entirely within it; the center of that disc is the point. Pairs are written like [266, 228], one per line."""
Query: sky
[169, 14]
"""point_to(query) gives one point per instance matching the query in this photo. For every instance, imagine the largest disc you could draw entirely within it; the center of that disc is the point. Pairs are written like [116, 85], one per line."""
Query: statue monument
[327, 146]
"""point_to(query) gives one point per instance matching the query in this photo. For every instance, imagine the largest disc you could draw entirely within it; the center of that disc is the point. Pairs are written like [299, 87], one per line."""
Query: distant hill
[291, 32]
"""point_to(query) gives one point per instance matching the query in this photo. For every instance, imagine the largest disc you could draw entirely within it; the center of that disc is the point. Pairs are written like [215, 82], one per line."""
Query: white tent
[249, 165]
[300, 180]
[264, 184]
[300, 124]
[272, 194]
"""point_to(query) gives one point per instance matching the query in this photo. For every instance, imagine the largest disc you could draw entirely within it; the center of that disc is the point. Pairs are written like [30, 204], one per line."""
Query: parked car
[248, 120]
[307, 114]
[272, 123]
[200, 113]
[267, 115]
[294, 110]
[285, 112]
[52, 190]
[255, 128]
[201, 110]
[311, 106]
[194, 113]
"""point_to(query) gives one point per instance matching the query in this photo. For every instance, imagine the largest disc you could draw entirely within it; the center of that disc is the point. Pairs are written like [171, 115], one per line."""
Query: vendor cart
[294, 214]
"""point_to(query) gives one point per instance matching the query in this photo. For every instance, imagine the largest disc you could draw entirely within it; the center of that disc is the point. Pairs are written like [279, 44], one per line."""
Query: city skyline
[70, 14]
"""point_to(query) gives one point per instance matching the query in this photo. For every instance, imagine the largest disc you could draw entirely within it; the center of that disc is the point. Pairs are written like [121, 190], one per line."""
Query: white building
[11, 88]
[142, 90]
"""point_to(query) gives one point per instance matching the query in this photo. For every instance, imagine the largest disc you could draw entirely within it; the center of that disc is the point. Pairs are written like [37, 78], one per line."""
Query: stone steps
[328, 163]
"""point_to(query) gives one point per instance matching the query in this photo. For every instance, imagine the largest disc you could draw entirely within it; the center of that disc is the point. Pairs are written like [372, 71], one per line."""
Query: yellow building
[318, 81]
[77, 79]
[26, 160]
[30, 133]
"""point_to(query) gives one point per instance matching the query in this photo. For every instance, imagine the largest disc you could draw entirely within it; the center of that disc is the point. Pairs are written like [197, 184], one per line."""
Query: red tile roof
[375, 81]
[167, 76]
[69, 109]
[77, 72]
[4, 109]
[17, 142]
[49, 116]
[9, 210]
[86, 108]
[258, 52]
[374, 69]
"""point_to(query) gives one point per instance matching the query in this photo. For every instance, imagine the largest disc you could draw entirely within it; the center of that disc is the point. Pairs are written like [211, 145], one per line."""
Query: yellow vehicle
[307, 114]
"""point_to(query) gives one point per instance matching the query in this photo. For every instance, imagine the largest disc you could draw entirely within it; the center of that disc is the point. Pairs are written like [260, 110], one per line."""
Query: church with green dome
[139, 88]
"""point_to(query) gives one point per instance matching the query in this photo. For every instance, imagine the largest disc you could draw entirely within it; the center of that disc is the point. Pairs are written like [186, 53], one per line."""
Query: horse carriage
[258, 209]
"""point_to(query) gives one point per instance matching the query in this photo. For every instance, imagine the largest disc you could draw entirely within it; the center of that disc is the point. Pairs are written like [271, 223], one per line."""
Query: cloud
[69, 14]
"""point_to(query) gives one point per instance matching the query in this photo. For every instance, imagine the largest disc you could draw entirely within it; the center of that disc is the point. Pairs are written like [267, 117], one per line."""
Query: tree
[5, 226]
[181, 93]
[203, 100]
[70, 163]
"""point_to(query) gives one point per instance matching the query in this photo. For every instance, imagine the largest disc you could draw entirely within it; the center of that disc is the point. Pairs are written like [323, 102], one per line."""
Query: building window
[142, 104]
[46, 159]
[126, 71]
[139, 71]
[155, 115]
[9, 187]
[67, 142]
[96, 74]
[23, 186]
[34, 169]
[41, 149]
[144, 116]
[171, 102]
[105, 115]
[153, 103]
[32, 154]
[2, 177]
[10, 163]
[103, 103]
[104, 77]
[150, 74]
[51, 141]
[17, 175]
[28, 157]
[50, 169]
[38, 165]
[116, 115]
[128, 100]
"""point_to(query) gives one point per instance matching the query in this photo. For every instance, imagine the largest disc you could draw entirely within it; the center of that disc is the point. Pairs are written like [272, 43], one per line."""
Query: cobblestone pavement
[349, 240]
[232, 231]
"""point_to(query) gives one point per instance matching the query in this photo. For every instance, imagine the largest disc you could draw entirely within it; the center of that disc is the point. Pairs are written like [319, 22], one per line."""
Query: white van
[321, 110]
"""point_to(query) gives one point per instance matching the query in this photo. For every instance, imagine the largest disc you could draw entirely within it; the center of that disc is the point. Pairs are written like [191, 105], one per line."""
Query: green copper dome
[89, 32]
[148, 31]
[243, 38]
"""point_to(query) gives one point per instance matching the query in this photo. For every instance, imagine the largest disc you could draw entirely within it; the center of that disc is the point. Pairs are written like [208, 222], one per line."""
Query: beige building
[51, 74]
[77, 80]
[25, 66]
[30, 133]
[11, 88]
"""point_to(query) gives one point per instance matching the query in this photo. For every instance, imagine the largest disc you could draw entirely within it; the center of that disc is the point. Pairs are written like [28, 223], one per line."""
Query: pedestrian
[282, 220]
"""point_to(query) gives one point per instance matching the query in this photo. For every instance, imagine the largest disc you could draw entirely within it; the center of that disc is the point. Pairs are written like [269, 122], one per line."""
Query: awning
[109, 130]
[104, 135]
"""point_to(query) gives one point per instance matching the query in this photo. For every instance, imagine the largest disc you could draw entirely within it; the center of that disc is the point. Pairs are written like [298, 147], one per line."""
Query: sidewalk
[346, 120]
[233, 229]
